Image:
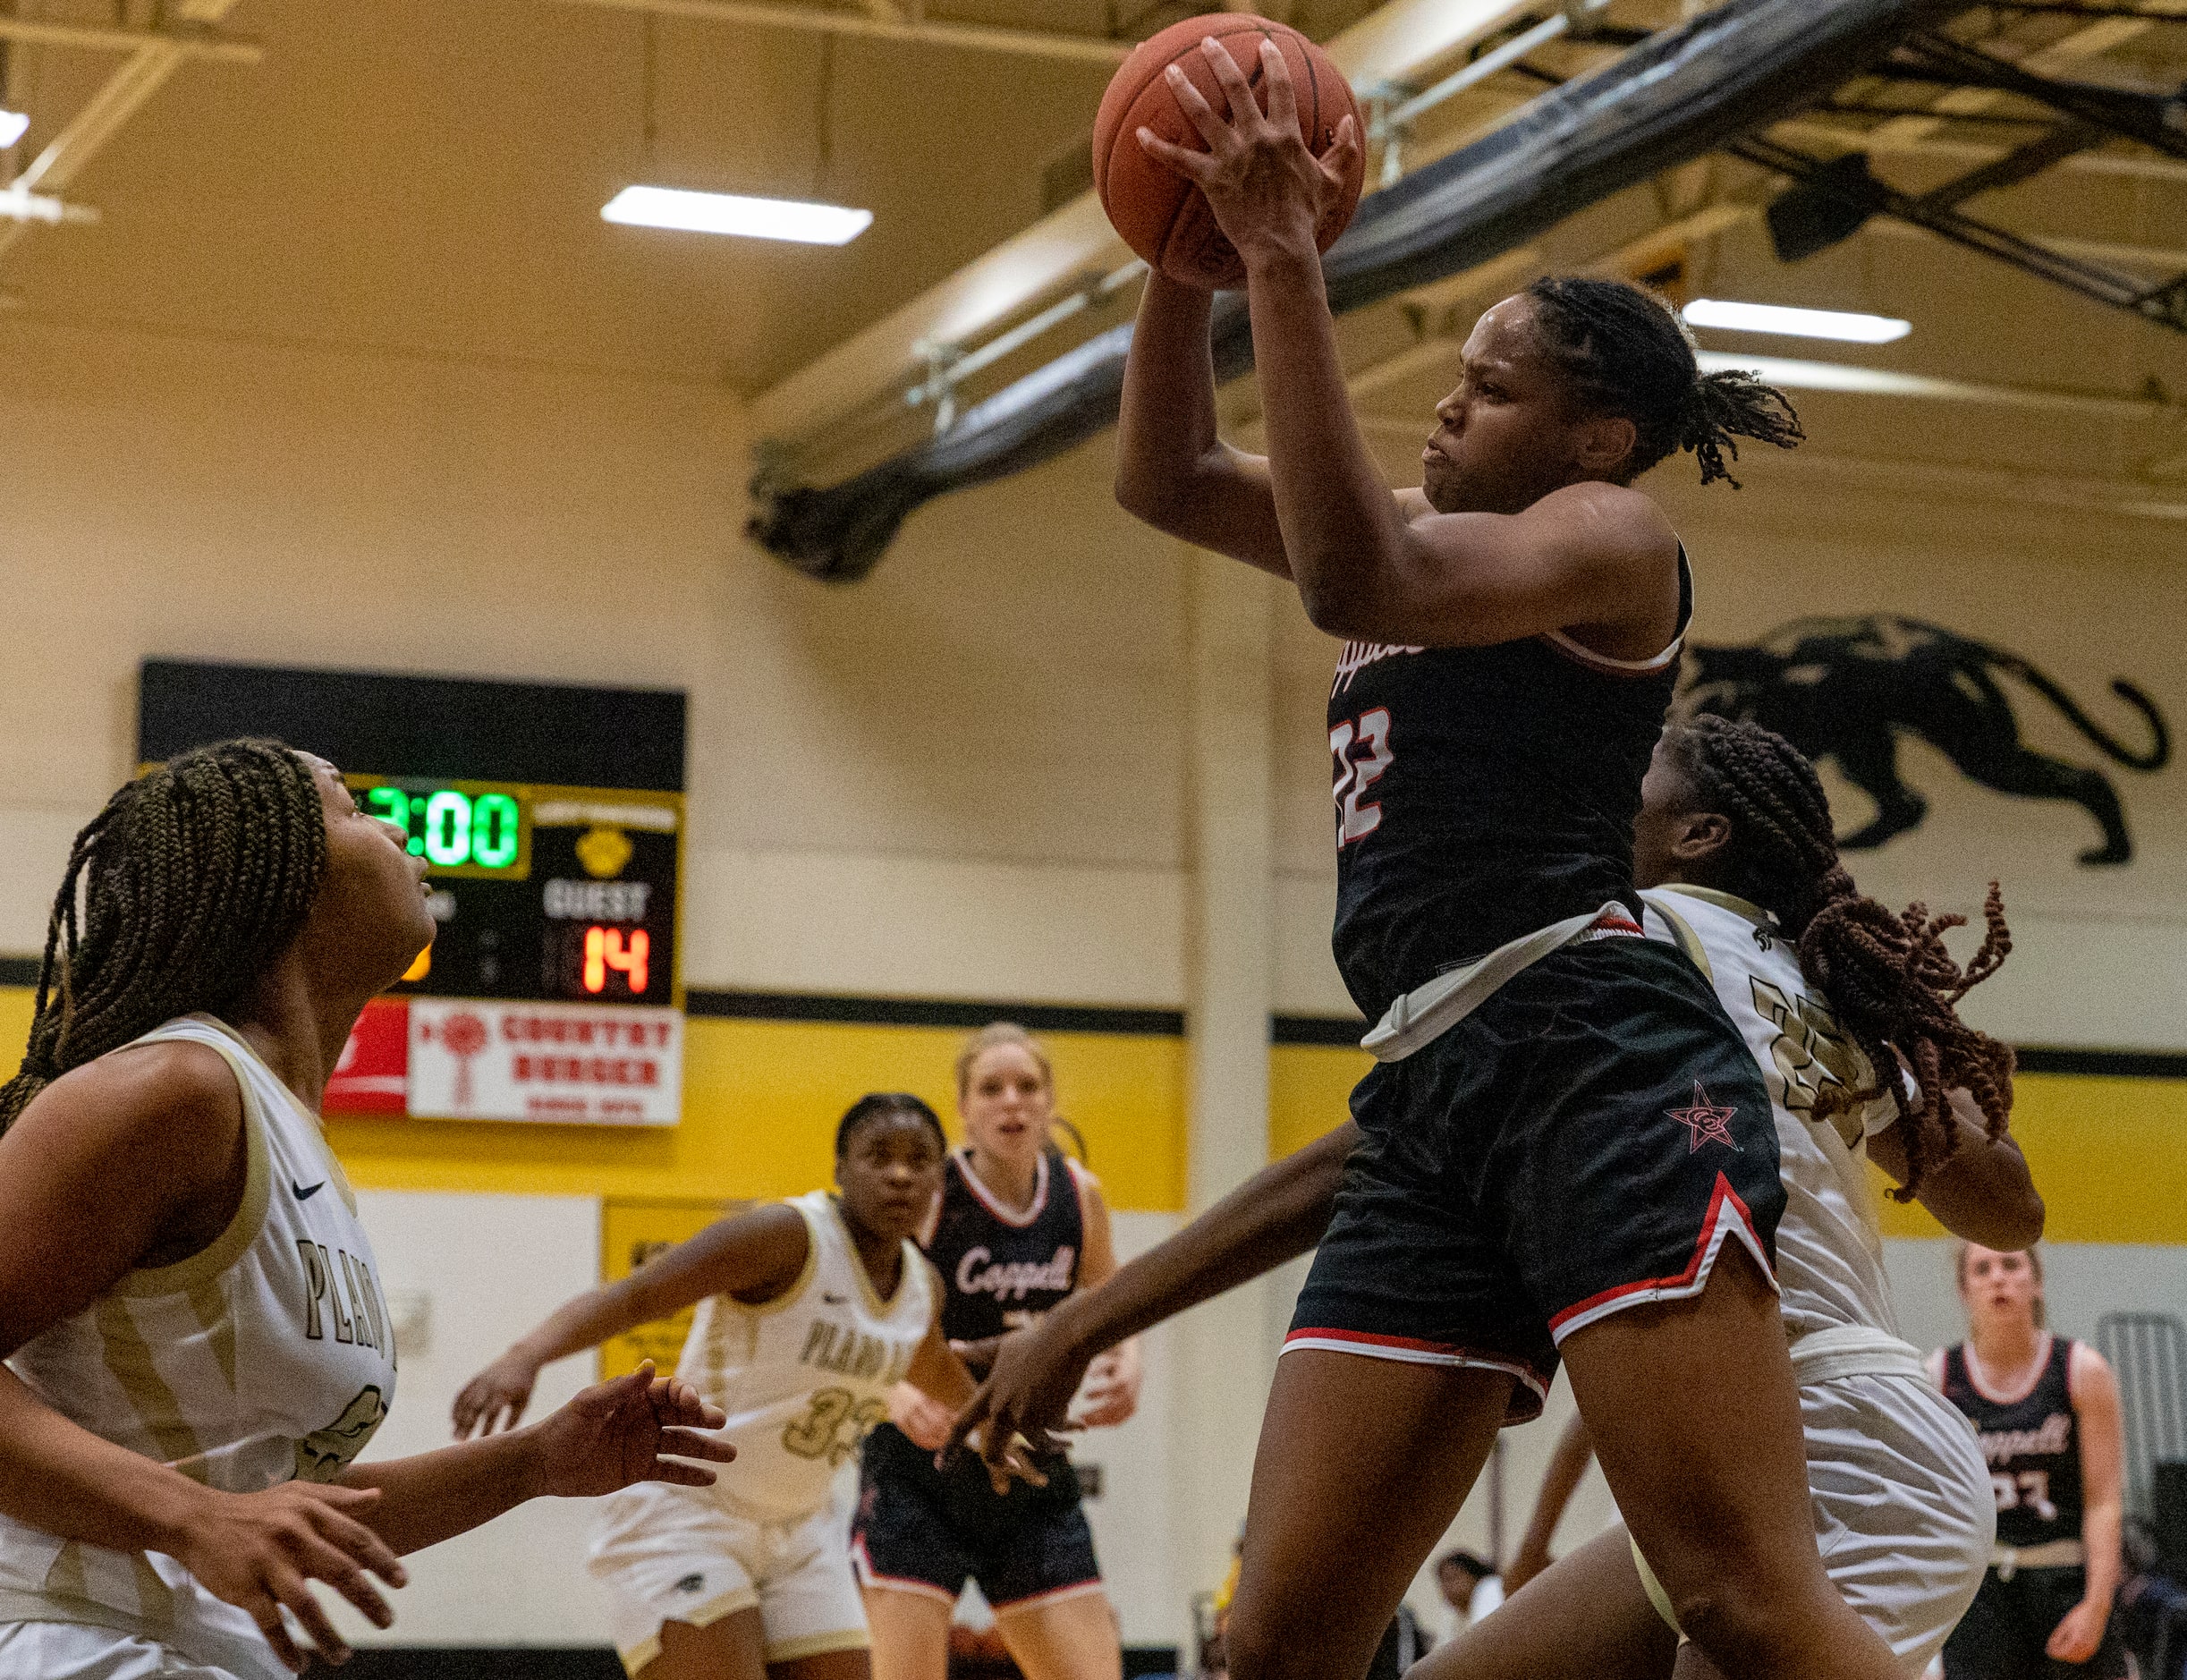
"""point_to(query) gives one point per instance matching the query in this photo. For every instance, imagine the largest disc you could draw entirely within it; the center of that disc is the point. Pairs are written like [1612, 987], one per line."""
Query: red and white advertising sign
[475, 1060]
[372, 1077]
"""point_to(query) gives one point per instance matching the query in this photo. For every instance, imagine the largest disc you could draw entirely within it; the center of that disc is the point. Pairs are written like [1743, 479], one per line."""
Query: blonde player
[198, 1347]
[810, 1311]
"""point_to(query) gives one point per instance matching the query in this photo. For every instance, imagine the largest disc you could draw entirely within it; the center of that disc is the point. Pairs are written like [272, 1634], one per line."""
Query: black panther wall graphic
[1846, 689]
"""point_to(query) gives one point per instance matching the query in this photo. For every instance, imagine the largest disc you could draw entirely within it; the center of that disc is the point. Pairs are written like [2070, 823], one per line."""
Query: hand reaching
[919, 1415]
[615, 1433]
[1112, 1388]
[2076, 1637]
[256, 1550]
[1024, 1401]
[496, 1398]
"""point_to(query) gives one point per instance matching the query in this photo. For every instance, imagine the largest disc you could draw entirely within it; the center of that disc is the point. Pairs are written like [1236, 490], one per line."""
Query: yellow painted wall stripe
[761, 1099]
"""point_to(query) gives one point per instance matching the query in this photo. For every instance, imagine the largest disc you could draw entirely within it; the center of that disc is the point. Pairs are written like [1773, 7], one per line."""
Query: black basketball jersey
[1481, 793]
[1000, 1269]
[2032, 1444]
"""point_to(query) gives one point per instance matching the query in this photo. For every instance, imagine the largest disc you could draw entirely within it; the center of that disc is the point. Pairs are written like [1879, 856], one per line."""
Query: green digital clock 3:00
[476, 828]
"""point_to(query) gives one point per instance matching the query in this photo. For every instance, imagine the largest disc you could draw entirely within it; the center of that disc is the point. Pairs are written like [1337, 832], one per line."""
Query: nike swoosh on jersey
[305, 1195]
[835, 1300]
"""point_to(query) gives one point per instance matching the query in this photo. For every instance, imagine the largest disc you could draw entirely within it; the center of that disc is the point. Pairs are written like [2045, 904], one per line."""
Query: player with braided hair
[1525, 1191]
[1624, 353]
[196, 1345]
[1891, 983]
[201, 873]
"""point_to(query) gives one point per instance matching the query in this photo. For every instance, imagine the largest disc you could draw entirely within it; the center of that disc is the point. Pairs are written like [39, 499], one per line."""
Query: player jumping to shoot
[1565, 1134]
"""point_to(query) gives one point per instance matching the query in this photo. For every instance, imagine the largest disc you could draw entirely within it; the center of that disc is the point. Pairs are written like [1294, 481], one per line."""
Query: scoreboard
[551, 822]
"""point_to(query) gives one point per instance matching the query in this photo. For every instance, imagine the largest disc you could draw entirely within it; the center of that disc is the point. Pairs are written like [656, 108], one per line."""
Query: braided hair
[194, 878]
[1630, 355]
[1889, 978]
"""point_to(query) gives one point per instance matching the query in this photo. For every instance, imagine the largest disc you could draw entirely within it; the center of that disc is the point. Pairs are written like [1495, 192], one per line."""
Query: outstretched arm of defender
[1981, 1191]
[1275, 1216]
[754, 1256]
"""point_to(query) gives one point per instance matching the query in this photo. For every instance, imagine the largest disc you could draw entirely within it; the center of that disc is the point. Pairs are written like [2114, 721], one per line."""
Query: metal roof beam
[2166, 305]
[141, 75]
[199, 42]
[2158, 120]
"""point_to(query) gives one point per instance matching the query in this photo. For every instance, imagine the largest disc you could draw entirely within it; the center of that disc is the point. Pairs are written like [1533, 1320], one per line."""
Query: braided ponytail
[1629, 354]
[1890, 981]
[193, 878]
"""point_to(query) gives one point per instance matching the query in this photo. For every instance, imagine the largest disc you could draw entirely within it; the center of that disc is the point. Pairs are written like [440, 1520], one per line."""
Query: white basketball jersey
[266, 1356]
[804, 1376]
[1829, 1246]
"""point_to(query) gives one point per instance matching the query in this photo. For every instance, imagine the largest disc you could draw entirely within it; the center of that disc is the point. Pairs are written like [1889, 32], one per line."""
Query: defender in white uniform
[809, 1311]
[266, 1356]
[197, 1343]
[1902, 1511]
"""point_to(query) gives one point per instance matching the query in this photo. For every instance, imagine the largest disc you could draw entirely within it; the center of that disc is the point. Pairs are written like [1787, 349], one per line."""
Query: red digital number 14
[605, 949]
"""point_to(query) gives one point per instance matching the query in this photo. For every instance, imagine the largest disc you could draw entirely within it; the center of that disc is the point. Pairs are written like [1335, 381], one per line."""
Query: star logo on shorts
[1705, 1121]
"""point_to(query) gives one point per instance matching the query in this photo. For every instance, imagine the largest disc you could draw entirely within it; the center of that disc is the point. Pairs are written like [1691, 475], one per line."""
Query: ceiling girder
[2155, 118]
[2023, 163]
[2164, 304]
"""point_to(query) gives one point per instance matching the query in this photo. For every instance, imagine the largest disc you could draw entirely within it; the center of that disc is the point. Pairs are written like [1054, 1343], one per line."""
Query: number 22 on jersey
[1360, 747]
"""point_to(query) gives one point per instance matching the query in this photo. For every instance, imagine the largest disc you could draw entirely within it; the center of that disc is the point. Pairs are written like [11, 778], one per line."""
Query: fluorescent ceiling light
[1772, 318]
[730, 213]
[11, 126]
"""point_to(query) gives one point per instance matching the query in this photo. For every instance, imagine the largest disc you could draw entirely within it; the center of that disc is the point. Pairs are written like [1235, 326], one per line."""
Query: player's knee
[1741, 1625]
[1258, 1650]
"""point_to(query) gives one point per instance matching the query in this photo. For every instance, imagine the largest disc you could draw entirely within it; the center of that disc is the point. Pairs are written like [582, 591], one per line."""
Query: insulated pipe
[1678, 95]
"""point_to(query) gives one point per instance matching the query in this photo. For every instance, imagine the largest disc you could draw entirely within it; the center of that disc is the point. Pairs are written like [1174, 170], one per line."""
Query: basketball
[1166, 218]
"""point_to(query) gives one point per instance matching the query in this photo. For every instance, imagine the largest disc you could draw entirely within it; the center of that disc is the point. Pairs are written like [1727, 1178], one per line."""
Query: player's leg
[1696, 1422]
[1042, 1578]
[1070, 1637]
[828, 1665]
[1585, 1617]
[1363, 1462]
[678, 1567]
[911, 1565]
[730, 1648]
[1634, 1179]
[910, 1635]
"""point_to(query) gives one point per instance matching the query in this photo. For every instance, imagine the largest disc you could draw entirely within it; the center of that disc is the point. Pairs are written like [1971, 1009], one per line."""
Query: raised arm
[1277, 1214]
[1370, 565]
[936, 1385]
[1115, 1376]
[1172, 469]
[2095, 1394]
[753, 1256]
[1981, 1191]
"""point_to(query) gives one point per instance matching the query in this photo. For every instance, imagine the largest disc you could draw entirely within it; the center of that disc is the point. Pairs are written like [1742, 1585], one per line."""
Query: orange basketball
[1162, 215]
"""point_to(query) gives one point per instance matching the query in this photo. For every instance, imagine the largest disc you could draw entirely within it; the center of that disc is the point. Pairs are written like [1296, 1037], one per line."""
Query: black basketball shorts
[921, 1530]
[1587, 1139]
[2005, 1631]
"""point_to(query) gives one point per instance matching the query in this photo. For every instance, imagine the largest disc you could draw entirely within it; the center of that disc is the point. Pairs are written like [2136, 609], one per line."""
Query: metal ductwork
[1679, 93]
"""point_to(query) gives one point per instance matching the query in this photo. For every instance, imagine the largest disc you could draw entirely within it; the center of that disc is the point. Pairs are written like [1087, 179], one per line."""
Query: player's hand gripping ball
[1173, 86]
